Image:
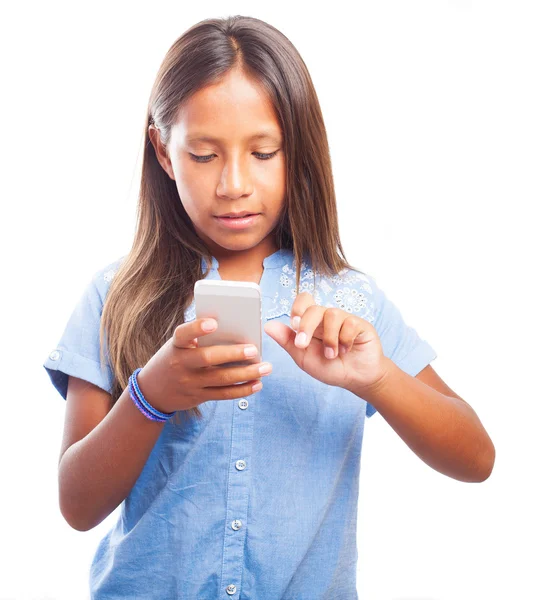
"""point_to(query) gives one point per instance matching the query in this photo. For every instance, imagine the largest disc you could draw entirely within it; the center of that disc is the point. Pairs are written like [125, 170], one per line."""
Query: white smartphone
[237, 307]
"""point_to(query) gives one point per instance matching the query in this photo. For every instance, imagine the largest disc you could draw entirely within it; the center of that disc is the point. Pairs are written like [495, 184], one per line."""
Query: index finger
[185, 336]
[302, 302]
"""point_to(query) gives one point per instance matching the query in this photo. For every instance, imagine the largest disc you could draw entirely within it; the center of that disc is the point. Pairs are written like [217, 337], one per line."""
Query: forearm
[444, 432]
[97, 473]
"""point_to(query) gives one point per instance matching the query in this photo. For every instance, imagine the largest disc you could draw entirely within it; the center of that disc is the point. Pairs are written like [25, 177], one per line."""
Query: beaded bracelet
[139, 400]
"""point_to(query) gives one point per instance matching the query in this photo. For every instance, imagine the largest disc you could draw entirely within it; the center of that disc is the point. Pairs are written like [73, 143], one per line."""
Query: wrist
[376, 391]
[148, 392]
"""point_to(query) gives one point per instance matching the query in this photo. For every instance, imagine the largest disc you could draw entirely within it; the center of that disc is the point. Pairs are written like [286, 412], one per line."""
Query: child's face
[233, 178]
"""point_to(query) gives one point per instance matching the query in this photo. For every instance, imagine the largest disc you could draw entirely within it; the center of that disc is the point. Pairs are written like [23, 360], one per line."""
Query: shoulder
[103, 276]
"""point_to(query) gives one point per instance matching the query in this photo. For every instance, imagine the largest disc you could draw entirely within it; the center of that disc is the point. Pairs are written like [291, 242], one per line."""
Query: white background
[430, 113]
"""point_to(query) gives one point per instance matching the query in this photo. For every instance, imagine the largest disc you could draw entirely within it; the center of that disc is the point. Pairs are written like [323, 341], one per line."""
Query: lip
[236, 215]
[239, 223]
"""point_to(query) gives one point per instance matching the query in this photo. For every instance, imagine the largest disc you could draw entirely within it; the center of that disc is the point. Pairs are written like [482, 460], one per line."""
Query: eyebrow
[268, 135]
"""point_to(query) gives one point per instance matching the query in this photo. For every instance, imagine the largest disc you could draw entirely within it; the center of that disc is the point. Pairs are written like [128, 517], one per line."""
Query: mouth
[239, 222]
[236, 215]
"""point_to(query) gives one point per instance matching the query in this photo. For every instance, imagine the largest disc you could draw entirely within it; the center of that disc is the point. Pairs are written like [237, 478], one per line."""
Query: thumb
[186, 334]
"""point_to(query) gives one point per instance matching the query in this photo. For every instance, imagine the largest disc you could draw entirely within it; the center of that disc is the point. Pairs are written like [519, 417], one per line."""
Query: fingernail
[301, 338]
[250, 350]
[343, 349]
[296, 322]
[208, 325]
[265, 368]
[329, 352]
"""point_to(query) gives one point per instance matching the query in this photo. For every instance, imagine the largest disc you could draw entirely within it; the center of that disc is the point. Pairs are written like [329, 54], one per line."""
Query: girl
[226, 488]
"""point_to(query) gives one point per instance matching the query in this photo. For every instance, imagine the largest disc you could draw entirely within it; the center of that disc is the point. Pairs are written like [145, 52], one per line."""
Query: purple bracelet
[142, 410]
[139, 400]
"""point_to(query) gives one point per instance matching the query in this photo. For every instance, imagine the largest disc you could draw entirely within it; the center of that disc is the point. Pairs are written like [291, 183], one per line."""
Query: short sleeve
[77, 352]
[400, 342]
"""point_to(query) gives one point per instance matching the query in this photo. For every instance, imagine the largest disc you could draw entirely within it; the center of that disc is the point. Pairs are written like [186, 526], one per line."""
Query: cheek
[272, 185]
[195, 195]
[197, 210]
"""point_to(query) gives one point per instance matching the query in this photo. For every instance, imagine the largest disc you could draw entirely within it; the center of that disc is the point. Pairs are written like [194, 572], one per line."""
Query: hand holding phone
[182, 375]
[197, 365]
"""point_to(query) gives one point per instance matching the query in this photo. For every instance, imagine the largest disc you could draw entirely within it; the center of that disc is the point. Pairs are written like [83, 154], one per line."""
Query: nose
[235, 180]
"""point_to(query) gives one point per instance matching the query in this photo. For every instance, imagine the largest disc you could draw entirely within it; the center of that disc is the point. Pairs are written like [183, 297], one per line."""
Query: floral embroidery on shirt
[344, 290]
[348, 290]
[189, 313]
[112, 269]
[109, 275]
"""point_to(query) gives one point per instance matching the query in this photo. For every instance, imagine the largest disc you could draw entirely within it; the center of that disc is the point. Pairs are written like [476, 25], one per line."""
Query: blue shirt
[259, 499]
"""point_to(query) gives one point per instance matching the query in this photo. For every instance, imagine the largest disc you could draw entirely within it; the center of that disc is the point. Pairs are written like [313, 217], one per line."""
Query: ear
[160, 151]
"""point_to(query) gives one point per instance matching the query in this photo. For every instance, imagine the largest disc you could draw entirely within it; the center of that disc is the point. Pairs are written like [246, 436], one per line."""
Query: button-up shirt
[258, 500]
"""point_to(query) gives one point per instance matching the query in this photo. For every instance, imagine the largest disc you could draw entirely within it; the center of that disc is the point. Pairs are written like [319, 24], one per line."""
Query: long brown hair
[154, 284]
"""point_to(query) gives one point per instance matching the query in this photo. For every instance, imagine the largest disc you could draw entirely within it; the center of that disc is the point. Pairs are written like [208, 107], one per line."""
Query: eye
[259, 155]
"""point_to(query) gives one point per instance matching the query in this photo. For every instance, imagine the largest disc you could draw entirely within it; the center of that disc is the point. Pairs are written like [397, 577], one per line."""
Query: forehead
[235, 108]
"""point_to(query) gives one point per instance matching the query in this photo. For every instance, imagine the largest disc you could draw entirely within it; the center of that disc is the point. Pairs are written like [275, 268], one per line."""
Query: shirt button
[231, 589]
[54, 355]
[236, 524]
[240, 465]
[243, 404]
